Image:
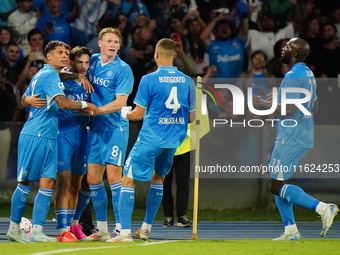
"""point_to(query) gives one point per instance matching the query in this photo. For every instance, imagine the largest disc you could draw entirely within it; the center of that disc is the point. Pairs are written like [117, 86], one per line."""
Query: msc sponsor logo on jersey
[171, 79]
[78, 97]
[99, 81]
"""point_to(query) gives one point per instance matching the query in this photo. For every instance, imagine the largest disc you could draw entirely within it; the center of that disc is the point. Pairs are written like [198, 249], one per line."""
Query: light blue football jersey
[168, 95]
[44, 122]
[227, 56]
[70, 120]
[302, 135]
[109, 80]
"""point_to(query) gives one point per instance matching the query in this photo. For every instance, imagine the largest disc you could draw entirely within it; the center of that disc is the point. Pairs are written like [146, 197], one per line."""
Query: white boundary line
[103, 247]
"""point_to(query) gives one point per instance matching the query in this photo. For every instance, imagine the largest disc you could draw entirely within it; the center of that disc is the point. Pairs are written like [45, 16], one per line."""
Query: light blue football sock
[125, 206]
[153, 201]
[115, 192]
[99, 200]
[83, 200]
[18, 202]
[61, 215]
[41, 206]
[70, 216]
[286, 211]
[296, 195]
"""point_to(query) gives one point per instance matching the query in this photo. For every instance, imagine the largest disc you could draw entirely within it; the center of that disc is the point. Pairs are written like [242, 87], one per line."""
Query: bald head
[301, 48]
[166, 48]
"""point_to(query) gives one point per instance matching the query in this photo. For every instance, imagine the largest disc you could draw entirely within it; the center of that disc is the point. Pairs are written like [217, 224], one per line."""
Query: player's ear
[175, 55]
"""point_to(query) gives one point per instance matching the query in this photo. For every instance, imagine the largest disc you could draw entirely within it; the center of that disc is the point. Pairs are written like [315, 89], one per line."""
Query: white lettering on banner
[171, 120]
[171, 79]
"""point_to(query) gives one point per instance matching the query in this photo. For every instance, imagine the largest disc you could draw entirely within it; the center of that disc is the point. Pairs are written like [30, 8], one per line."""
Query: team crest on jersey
[109, 73]
[61, 163]
[235, 45]
[70, 97]
[61, 85]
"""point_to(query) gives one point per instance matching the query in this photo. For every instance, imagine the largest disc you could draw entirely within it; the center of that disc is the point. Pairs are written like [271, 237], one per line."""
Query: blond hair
[166, 47]
[109, 30]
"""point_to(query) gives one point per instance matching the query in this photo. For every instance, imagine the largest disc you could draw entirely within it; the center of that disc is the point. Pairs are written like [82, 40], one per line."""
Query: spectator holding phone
[36, 55]
[56, 24]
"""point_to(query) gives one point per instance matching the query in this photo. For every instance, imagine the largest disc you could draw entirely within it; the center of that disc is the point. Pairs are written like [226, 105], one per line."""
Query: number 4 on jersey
[172, 101]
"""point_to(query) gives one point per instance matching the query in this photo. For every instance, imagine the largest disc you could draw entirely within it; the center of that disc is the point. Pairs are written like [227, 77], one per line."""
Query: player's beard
[285, 59]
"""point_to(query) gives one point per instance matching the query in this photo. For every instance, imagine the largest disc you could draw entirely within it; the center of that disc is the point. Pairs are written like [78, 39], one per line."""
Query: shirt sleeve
[53, 85]
[143, 95]
[125, 81]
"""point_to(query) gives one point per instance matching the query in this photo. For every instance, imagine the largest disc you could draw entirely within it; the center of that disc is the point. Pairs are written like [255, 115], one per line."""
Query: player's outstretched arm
[258, 102]
[113, 106]
[67, 104]
[33, 101]
[72, 76]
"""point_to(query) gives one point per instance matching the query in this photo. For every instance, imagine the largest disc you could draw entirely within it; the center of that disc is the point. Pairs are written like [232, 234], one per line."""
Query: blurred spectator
[189, 17]
[139, 55]
[131, 8]
[6, 8]
[328, 66]
[142, 49]
[25, 79]
[264, 39]
[257, 77]
[66, 6]
[176, 9]
[255, 8]
[36, 43]
[281, 9]
[184, 61]
[310, 33]
[12, 56]
[85, 26]
[55, 24]
[5, 39]
[176, 24]
[8, 113]
[196, 46]
[226, 51]
[301, 10]
[336, 20]
[328, 58]
[22, 21]
[273, 65]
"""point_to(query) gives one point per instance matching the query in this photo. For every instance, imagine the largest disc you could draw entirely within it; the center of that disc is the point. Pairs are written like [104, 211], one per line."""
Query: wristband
[83, 104]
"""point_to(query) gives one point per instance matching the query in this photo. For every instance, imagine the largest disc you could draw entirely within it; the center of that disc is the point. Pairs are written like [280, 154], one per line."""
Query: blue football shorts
[72, 151]
[284, 160]
[37, 157]
[144, 158]
[107, 147]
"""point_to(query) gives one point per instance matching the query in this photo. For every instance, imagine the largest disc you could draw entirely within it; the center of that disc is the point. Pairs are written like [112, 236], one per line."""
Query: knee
[156, 178]
[275, 187]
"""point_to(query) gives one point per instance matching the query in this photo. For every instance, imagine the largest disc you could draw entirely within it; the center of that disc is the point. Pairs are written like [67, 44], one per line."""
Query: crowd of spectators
[235, 38]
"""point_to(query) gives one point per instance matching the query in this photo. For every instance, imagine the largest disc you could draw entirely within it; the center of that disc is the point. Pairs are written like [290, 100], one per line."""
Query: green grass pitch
[242, 247]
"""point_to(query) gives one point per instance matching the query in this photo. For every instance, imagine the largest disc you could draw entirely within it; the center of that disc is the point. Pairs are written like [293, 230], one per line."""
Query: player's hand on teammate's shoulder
[86, 83]
[35, 102]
